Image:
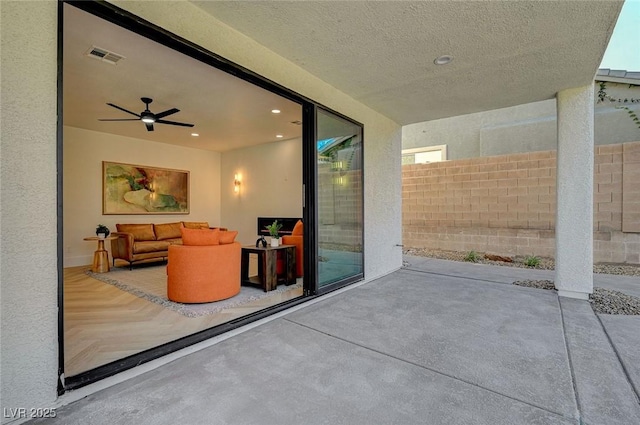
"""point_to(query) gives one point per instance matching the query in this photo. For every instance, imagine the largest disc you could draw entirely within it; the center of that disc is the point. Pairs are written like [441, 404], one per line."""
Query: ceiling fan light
[147, 117]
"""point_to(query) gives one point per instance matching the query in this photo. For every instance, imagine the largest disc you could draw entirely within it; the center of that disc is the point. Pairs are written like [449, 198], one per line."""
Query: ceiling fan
[148, 117]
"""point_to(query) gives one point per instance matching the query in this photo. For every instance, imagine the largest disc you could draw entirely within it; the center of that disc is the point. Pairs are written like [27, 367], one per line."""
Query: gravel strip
[607, 301]
[603, 301]
[545, 263]
[540, 284]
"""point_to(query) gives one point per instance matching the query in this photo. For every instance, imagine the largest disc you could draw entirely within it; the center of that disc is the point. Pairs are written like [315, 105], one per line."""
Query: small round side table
[101, 256]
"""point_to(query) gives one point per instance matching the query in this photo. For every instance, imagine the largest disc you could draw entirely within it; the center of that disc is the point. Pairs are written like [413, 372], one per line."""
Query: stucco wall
[28, 266]
[524, 128]
[28, 274]
[84, 152]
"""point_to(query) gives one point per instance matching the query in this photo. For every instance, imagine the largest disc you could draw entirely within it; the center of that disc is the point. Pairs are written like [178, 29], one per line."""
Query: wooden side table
[267, 277]
[101, 256]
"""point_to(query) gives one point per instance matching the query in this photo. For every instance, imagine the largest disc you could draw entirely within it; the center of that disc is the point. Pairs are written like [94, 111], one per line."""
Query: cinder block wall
[339, 206]
[506, 204]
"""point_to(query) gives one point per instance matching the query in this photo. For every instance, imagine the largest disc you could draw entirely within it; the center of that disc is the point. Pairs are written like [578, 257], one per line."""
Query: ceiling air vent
[104, 55]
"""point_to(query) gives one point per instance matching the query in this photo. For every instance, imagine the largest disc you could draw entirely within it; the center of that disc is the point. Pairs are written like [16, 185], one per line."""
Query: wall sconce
[237, 181]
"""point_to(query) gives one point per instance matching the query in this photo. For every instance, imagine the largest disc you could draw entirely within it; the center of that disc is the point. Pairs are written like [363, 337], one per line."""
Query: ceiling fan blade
[183, 124]
[119, 119]
[167, 112]
[123, 110]
[149, 126]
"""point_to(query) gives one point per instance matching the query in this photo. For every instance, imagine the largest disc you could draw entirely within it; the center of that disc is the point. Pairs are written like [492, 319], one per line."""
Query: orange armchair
[201, 274]
[296, 239]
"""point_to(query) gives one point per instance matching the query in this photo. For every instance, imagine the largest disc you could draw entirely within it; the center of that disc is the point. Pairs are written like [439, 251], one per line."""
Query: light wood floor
[103, 323]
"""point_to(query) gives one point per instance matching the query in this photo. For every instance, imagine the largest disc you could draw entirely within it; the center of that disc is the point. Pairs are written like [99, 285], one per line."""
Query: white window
[424, 155]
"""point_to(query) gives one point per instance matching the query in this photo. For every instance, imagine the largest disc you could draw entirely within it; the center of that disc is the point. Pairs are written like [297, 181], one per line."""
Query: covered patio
[396, 347]
[437, 342]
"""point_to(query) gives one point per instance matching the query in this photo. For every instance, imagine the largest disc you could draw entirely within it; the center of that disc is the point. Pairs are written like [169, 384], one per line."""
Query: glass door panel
[339, 199]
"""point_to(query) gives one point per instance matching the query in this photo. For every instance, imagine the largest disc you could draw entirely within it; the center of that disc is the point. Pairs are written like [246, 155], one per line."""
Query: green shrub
[472, 257]
[531, 261]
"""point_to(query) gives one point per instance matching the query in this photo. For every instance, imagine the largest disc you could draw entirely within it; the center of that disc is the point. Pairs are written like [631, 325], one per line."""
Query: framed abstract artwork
[140, 189]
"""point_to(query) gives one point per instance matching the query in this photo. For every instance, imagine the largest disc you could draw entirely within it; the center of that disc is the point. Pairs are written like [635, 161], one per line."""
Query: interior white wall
[84, 151]
[523, 128]
[28, 275]
[28, 260]
[271, 186]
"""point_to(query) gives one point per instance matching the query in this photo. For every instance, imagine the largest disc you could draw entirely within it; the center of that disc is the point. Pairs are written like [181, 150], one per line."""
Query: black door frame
[127, 20]
[314, 173]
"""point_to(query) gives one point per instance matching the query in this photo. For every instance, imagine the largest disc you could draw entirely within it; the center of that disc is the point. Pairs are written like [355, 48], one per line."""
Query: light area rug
[150, 283]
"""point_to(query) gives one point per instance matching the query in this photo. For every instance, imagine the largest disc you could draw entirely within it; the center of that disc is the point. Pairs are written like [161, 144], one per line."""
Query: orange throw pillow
[227, 237]
[298, 230]
[200, 237]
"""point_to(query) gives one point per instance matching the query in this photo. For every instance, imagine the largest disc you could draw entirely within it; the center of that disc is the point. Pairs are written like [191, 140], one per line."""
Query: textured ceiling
[381, 53]
[228, 113]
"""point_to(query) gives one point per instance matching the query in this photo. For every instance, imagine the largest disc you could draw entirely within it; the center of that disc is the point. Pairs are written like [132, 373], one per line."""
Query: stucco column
[574, 193]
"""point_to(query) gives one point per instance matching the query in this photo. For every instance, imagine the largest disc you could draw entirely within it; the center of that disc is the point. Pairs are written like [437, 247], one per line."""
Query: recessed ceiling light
[195, 134]
[279, 136]
[275, 111]
[443, 60]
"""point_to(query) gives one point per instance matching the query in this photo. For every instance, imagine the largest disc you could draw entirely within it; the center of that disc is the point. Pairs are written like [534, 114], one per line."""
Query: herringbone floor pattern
[103, 323]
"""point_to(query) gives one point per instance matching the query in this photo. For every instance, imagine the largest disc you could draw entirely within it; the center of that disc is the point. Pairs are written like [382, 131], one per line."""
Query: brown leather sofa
[137, 242]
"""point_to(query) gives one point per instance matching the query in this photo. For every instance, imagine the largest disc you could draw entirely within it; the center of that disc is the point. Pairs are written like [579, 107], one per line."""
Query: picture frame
[141, 189]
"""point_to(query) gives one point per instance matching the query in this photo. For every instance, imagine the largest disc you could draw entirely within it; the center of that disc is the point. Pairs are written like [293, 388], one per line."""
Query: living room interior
[243, 157]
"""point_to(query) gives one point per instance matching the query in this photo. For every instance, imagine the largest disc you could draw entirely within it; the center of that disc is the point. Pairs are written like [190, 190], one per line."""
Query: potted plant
[102, 231]
[273, 229]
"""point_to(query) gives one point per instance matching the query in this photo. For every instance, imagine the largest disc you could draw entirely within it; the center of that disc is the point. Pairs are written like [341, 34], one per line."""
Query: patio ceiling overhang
[382, 54]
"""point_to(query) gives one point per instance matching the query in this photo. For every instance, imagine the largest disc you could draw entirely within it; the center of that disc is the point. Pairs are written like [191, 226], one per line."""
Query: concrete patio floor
[437, 342]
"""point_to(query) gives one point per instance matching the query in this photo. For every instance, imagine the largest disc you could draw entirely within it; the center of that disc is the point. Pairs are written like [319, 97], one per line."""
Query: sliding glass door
[340, 256]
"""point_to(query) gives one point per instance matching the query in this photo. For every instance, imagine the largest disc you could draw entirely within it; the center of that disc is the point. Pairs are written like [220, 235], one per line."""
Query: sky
[623, 51]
